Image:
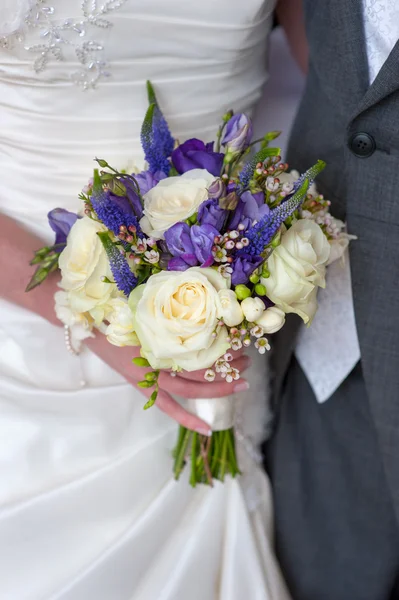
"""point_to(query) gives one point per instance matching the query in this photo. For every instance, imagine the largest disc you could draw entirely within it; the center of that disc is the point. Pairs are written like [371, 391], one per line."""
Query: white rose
[120, 330]
[83, 265]
[297, 266]
[252, 308]
[175, 316]
[271, 320]
[232, 313]
[174, 199]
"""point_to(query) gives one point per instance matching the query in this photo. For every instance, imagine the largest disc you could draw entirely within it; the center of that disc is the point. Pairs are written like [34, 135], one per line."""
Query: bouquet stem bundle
[210, 458]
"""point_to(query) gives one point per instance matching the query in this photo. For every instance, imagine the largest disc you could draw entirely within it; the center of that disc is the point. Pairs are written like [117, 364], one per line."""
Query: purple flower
[194, 154]
[61, 221]
[125, 280]
[180, 245]
[210, 213]
[190, 246]
[111, 212]
[250, 208]
[217, 189]
[156, 140]
[203, 238]
[243, 266]
[148, 180]
[261, 234]
[238, 133]
[130, 203]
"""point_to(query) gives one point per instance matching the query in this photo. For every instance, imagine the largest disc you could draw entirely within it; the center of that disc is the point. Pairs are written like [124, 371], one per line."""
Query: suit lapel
[386, 82]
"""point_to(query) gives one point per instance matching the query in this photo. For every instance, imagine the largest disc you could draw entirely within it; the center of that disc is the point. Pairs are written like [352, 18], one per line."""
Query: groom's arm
[291, 18]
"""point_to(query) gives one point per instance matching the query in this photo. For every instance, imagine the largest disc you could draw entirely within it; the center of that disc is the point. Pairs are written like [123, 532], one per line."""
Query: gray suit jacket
[338, 103]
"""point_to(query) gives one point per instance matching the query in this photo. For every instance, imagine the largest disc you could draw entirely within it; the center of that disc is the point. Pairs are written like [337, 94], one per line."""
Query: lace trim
[56, 37]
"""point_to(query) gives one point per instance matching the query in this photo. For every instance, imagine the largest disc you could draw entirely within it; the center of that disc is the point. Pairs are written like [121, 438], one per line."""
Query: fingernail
[207, 432]
[241, 386]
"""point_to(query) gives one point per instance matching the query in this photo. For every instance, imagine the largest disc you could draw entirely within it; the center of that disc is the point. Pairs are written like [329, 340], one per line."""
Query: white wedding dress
[89, 509]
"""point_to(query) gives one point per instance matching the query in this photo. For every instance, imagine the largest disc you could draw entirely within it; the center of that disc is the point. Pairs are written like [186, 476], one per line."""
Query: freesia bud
[231, 310]
[252, 309]
[271, 320]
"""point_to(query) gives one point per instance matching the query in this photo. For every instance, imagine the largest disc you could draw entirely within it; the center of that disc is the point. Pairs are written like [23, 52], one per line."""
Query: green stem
[232, 453]
[179, 463]
[193, 476]
[223, 457]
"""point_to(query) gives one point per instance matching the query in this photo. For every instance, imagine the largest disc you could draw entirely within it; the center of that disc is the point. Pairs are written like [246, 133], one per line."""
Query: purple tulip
[194, 154]
[238, 133]
[61, 221]
[210, 213]
[250, 208]
[190, 246]
[243, 266]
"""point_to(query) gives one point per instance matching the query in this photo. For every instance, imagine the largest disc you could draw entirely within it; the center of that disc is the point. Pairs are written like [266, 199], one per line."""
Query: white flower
[152, 256]
[84, 265]
[292, 177]
[297, 266]
[271, 320]
[120, 330]
[339, 245]
[252, 308]
[175, 317]
[236, 344]
[80, 324]
[232, 313]
[262, 345]
[174, 199]
[210, 375]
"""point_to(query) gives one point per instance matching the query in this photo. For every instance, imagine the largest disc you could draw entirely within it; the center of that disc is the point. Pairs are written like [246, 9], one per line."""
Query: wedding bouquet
[193, 259]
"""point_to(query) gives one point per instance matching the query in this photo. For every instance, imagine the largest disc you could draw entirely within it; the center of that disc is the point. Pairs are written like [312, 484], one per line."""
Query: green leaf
[152, 99]
[151, 401]
[139, 361]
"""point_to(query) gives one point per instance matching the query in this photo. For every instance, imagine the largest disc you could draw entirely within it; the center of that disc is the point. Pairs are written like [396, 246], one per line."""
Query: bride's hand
[185, 385]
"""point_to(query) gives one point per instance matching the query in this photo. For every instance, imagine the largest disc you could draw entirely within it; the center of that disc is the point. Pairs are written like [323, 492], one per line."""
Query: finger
[173, 409]
[193, 389]
[241, 364]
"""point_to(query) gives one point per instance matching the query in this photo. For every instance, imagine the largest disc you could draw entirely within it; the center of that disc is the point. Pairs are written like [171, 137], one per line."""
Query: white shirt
[329, 349]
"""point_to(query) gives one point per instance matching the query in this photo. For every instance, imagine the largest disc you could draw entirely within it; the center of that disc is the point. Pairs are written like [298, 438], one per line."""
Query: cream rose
[174, 199]
[175, 315]
[83, 265]
[120, 330]
[297, 267]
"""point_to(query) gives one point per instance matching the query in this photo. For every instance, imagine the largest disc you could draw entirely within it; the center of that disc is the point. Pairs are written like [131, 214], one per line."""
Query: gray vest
[339, 104]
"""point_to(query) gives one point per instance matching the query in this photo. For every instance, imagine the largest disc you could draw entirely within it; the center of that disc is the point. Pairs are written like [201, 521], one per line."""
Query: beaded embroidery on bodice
[49, 38]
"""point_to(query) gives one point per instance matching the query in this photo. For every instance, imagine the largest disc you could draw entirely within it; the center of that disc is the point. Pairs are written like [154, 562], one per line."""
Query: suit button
[362, 145]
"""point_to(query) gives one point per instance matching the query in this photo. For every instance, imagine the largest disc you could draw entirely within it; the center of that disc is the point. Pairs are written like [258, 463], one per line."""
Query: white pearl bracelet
[68, 342]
